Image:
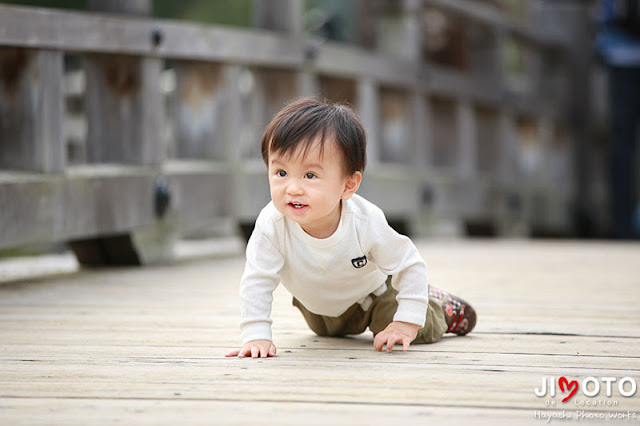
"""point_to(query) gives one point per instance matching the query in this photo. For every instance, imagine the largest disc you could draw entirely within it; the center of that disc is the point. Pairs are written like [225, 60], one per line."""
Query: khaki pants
[380, 314]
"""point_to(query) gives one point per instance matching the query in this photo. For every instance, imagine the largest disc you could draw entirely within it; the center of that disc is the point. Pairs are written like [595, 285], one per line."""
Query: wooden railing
[447, 147]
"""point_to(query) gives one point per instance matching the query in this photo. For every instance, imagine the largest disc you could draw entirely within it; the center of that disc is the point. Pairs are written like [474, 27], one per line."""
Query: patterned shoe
[459, 315]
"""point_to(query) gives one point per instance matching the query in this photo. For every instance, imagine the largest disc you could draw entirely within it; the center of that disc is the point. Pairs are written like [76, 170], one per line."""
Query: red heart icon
[570, 385]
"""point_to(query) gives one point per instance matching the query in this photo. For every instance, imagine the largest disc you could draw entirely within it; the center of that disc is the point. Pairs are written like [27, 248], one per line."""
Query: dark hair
[304, 121]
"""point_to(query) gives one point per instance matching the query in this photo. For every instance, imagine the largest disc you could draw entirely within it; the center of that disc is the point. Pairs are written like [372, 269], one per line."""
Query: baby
[334, 251]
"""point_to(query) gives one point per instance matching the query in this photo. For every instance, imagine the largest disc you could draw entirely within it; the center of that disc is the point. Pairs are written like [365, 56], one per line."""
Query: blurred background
[126, 126]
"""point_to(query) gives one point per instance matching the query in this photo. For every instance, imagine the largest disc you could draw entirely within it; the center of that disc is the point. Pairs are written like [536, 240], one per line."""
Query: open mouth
[297, 205]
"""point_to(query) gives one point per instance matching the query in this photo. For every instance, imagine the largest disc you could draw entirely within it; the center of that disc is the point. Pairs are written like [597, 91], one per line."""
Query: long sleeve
[396, 255]
[261, 277]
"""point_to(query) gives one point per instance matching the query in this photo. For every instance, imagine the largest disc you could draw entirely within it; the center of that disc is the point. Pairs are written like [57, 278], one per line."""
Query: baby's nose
[295, 187]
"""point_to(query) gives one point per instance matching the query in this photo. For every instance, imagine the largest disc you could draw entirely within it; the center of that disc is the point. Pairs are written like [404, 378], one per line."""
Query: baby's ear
[351, 185]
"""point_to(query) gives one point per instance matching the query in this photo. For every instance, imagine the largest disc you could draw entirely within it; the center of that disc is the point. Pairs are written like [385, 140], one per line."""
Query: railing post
[31, 110]
[123, 101]
[198, 107]
[512, 209]
[283, 16]
[422, 146]
[124, 109]
[571, 23]
[467, 143]
[508, 146]
[368, 106]
[232, 136]
[399, 31]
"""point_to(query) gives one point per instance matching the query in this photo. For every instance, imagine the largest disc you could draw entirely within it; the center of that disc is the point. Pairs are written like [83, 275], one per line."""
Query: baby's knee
[428, 335]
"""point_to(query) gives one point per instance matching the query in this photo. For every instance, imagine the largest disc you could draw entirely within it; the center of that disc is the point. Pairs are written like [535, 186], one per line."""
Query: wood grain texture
[106, 199]
[146, 346]
[31, 110]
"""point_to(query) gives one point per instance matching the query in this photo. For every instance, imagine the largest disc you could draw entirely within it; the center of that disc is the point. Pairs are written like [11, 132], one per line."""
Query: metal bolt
[157, 36]
[162, 197]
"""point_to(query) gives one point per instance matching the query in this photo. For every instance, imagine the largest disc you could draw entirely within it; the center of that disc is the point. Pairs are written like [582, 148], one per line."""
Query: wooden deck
[147, 345]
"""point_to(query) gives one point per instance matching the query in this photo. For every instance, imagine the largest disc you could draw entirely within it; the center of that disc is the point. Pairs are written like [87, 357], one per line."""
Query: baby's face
[307, 189]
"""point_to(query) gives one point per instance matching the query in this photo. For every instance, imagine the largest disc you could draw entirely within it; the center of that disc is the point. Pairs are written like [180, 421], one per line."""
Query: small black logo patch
[359, 262]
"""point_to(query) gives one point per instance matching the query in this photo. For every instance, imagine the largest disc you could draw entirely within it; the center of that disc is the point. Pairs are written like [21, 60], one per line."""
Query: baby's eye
[310, 175]
[281, 173]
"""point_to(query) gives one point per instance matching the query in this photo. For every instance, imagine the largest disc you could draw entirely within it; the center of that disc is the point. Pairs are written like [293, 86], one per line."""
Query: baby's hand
[255, 348]
[396, 332]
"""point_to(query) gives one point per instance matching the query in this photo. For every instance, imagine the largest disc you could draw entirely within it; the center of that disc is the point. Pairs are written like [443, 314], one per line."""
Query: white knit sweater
[329, 275]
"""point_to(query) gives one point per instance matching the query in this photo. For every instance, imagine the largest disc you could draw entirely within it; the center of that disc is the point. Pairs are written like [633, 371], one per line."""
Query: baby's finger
[378, 341]
[255, 351]
[405, 344]
[393, 339]
[233, 353]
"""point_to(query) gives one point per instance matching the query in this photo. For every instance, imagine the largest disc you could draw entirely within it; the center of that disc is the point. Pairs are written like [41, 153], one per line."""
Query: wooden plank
[308, 83]
[283, 16]
[124, 110]
[368, 108]
[338, 366]
[31, 110]
[343, 61]
[508, 145]
[103, 200]
[47, 28]
[124, 116]
[397, 134]
[488, 141]
[491, 16]
[397, 195]
[522, 353]
[272, 90]
[54, 29]
[253, 183]
[478, 12]
[399, 32]
[348, 381]
[132, 345]
[467, 158]
[123, 103]
[444, 133]
[131, 7]
[197, 108]
[422, 146]
[448, 82]
[338, 89]
[38, 411]
[291, 332]
[536, 352]
[237, 84]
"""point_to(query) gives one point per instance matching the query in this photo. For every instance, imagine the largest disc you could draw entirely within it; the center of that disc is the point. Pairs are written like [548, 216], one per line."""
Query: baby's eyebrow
[317, 166]
[314, 166]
